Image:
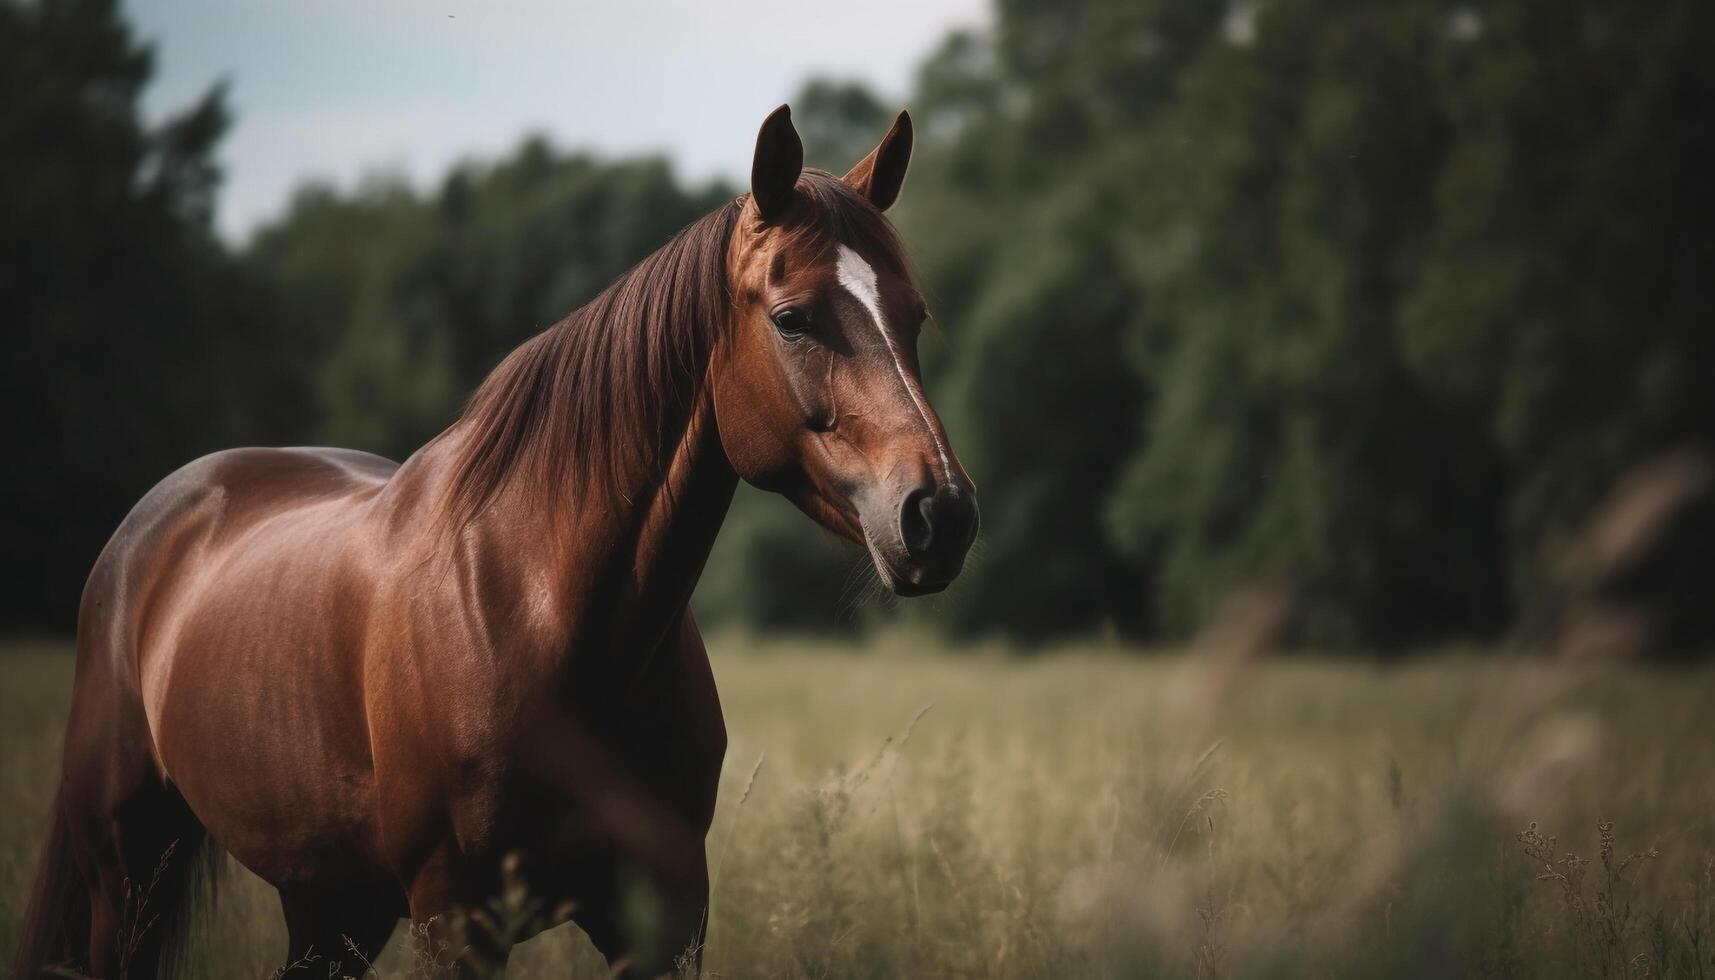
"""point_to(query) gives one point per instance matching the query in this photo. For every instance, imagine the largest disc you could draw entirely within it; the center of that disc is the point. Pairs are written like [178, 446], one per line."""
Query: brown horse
[376, 684]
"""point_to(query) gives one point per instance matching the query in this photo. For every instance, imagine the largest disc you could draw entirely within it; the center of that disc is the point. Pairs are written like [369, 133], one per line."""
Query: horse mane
[585, 404]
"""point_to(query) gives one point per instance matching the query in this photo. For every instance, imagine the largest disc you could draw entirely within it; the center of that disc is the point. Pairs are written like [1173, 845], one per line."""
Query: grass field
[901, 810]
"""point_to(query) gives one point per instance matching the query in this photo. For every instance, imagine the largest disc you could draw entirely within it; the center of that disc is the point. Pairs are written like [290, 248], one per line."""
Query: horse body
[383, 688]
[220, 559]
[341, 793]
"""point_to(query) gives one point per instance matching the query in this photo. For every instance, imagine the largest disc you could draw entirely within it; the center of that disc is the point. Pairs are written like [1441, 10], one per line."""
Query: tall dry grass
[898, 809]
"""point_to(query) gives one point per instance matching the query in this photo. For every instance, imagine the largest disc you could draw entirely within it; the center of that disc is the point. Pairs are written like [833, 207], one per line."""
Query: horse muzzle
[919, 540]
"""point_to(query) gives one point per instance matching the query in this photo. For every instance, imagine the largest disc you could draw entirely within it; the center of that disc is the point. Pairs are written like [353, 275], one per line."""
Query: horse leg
[597, 910]
[676, 743]
[335, 930]
[457, 939]
[648, 924]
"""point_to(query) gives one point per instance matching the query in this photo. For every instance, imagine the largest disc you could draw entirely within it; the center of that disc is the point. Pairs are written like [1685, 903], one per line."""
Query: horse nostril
[932, 520]
[959, 518]
[917, 522]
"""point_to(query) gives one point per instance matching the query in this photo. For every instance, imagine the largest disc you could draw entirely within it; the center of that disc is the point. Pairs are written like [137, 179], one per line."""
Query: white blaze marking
[859, 279]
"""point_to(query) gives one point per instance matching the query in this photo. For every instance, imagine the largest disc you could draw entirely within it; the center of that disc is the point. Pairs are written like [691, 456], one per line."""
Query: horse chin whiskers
[882, 570]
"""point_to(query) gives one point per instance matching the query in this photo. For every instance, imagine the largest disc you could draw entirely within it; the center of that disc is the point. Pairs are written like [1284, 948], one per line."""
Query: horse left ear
[879, 176]
[779, 159]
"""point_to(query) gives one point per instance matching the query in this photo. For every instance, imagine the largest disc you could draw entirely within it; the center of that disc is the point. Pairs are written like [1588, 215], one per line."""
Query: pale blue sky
[337, 90]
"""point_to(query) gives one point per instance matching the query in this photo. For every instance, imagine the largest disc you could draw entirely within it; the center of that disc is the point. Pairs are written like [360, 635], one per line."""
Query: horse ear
[880, 175]
[779, 160]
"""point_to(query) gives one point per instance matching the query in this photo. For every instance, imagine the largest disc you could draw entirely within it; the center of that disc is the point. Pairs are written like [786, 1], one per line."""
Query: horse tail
[56, 927]
[199, 875]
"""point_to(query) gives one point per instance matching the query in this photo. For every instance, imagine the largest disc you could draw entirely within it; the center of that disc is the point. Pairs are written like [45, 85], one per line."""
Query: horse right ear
[779, 160]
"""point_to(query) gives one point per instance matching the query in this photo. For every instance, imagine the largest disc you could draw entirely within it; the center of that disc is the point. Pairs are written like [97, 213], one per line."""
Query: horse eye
[792, 323]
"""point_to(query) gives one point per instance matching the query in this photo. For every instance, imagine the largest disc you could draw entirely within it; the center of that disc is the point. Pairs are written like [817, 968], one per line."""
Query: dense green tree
[1374, 300]
[1420, 292]
[1562, 298]
[1013, 212]
[134, 342]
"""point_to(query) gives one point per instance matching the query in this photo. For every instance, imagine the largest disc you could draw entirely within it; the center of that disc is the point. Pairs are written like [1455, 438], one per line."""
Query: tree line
[1380, 303]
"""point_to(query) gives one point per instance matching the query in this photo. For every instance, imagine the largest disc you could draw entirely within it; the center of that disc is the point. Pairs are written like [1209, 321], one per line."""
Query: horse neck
[603, 577]
[667, 524]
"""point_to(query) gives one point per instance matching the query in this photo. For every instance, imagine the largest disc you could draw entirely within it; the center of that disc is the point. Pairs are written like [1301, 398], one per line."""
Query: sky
[339, 90]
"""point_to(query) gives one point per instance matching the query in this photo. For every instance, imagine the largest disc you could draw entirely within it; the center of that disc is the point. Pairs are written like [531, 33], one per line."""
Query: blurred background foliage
[1376, 301]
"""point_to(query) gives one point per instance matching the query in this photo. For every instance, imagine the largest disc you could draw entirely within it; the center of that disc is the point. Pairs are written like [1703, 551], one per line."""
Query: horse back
[190, 517]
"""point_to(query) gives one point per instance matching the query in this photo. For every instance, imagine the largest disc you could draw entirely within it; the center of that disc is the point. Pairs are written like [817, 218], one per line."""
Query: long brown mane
[587, 402]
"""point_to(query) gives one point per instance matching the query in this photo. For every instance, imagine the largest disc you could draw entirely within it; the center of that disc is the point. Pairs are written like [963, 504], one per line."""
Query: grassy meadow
[899, 809]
